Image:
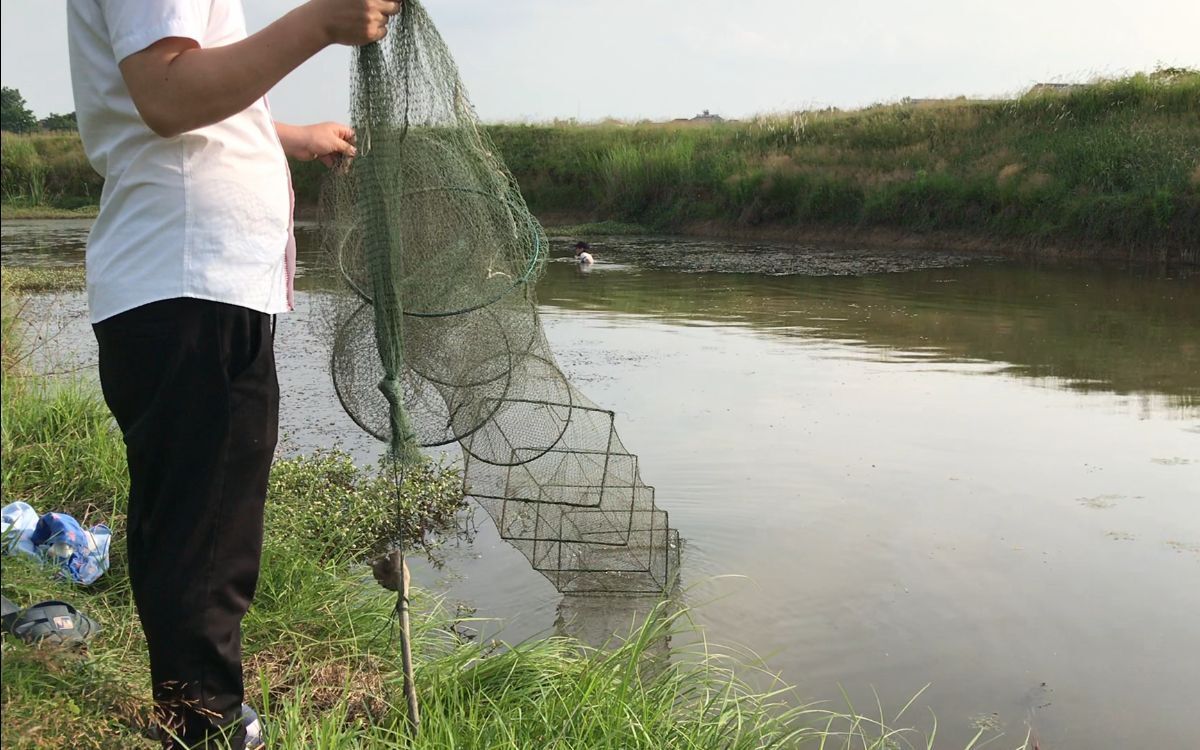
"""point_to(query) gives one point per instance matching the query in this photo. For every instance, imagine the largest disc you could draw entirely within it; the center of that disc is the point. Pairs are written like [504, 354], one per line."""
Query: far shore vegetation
[1109, 168]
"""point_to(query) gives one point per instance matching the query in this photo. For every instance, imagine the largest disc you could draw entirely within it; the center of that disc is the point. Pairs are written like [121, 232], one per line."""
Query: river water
[888, 469]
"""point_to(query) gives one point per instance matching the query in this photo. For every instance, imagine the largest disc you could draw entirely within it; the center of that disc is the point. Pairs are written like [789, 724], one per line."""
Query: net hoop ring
[532, 453]
[340, 389]
[530, 271]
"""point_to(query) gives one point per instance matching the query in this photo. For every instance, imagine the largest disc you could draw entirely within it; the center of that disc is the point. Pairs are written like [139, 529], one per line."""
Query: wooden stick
[410, 687]
[391, 572]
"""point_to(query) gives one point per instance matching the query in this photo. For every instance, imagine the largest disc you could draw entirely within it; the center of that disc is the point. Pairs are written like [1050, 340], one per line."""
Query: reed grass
[9, 212]
[32, 279]
[1110, 164]
[41, 170]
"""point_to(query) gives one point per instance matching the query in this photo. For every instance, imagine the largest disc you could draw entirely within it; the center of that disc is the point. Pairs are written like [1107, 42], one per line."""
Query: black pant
[192, 385]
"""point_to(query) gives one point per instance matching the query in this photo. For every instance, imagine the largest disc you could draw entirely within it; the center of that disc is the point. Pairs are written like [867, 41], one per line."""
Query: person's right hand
[354, 22]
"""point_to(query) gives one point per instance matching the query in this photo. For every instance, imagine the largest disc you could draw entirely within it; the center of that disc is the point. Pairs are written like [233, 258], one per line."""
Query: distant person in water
[582, 255]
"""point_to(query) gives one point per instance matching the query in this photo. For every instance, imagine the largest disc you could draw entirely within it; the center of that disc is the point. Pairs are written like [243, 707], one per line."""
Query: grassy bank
[44, 175]
[1115, 165]
[1113, 168]
[320, 663]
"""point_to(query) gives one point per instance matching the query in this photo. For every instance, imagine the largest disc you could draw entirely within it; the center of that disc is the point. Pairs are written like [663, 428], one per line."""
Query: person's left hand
[331, 142]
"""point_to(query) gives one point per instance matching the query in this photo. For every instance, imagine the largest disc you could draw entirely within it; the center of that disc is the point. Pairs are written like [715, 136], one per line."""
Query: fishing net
[436, 337]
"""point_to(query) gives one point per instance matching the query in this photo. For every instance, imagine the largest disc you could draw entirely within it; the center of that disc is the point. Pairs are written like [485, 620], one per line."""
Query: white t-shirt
[205, 214]
[585, 258]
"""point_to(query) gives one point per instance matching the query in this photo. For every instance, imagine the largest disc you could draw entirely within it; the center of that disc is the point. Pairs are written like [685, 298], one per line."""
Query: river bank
[10, 212]
[880, 238]
[1110, 170]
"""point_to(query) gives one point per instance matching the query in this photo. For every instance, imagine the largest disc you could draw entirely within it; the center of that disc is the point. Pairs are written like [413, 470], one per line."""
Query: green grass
[46, 170]
[607, 228]
[1116, 164]
[30, 279]
[321, 665]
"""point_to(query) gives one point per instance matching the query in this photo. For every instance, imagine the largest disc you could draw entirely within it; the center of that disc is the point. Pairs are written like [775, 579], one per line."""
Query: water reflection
[604, 620]
[58, 242]
[1087, 329]
[1084, 329]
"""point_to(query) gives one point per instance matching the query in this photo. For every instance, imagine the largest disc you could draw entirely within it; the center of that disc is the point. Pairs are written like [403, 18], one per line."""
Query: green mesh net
[436, 338]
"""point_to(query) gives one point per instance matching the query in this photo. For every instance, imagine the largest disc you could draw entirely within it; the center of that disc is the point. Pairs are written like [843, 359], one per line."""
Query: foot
[254, 733]
[250, 720]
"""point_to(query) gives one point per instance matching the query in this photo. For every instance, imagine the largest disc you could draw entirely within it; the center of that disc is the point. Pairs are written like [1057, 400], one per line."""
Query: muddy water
[983, 476]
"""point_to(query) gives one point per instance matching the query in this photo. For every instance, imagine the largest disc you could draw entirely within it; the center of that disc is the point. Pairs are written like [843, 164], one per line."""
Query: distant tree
[1172, 74]
[59, 122]
[15, 117]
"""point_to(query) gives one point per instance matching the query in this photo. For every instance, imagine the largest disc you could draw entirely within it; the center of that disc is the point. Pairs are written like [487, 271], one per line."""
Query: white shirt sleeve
[134, 25]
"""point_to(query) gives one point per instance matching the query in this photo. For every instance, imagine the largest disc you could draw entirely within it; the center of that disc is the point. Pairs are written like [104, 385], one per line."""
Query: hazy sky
[545, 59]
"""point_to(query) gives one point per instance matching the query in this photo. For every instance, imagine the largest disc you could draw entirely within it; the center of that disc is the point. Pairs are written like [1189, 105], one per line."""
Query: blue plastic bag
[82, 553]
[19, 521]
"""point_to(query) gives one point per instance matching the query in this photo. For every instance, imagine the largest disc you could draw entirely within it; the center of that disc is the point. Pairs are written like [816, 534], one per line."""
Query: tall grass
[46, 169]
[1116, 163]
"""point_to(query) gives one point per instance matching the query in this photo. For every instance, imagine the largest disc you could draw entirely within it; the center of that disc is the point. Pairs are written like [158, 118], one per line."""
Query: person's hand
[330, 142]
[353, 22]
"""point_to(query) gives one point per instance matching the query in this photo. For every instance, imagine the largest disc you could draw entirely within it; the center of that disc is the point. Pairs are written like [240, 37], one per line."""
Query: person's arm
[327, 141]
[178, 86]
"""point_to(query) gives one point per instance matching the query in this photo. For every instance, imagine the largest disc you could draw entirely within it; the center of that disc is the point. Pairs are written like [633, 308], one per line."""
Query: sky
[539, 60]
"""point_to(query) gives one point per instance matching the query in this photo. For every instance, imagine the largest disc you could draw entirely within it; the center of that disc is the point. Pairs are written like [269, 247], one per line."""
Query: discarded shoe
[54, 622]
[8, 613]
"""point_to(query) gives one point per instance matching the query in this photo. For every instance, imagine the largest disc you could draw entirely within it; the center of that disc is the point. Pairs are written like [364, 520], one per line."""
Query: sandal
[8, 613]
[54, 622]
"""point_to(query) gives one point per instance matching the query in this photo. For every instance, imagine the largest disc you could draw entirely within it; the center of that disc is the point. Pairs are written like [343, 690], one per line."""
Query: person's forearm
[201, 86]
[291, 139]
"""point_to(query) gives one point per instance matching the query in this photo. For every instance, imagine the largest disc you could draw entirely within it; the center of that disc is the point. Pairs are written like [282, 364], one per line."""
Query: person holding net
[190, 256]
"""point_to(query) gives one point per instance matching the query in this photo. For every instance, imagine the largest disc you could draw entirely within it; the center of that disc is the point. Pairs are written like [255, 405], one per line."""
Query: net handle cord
[384, 247]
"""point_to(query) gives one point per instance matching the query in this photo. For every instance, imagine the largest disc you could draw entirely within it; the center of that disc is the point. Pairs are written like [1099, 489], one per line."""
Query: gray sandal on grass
[53, 622]
[8, 613]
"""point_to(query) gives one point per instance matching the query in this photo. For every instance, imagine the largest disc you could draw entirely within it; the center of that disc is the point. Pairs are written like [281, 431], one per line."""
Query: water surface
[979, 475]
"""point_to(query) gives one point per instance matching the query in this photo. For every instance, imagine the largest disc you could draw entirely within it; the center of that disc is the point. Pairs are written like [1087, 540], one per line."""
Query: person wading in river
[190, 257]
[582, 256]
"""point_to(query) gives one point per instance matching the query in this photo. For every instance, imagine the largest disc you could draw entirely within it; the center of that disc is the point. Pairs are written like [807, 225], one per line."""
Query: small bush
[326, 504]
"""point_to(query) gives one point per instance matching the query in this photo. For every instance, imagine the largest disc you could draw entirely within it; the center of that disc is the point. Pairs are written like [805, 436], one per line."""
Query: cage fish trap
[435, 334]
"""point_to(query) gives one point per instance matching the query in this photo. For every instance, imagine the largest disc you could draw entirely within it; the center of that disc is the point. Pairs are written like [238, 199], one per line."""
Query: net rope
[435, 333]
